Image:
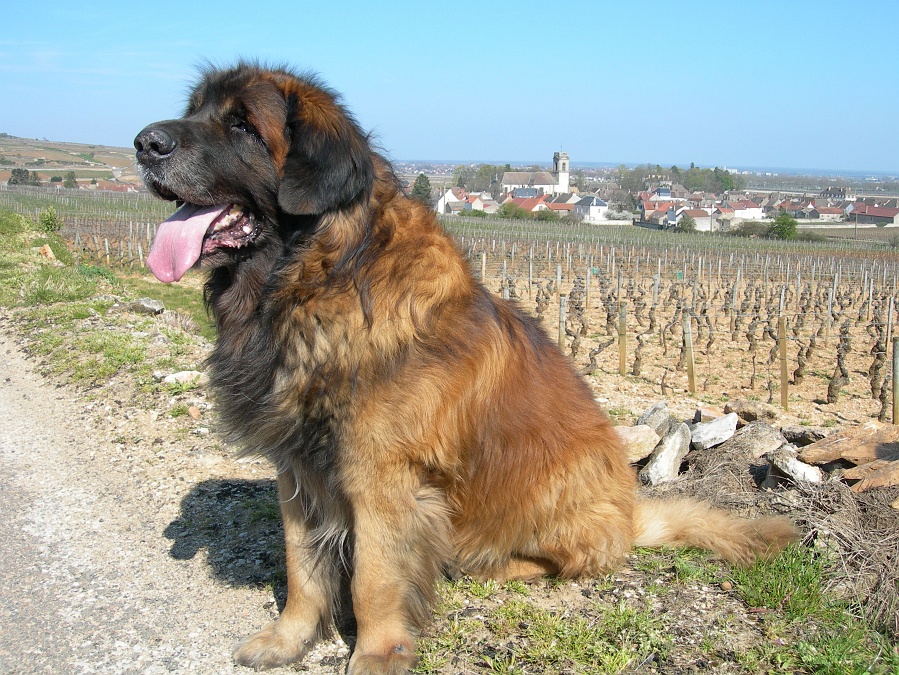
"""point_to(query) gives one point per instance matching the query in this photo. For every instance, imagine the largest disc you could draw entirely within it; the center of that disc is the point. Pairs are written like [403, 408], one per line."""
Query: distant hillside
[50, 159]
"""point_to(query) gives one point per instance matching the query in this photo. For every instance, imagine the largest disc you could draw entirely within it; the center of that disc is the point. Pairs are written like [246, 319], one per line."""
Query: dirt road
[101, 571]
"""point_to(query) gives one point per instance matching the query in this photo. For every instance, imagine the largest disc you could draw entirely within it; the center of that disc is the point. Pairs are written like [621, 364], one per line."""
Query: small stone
[184, 377]
[751, 411]
[706, 413]
[753, 440]
[726, 586]
[46, 252]
[639, 441]
[786, 462]
[664, 462]
[194, 412]
[886, 475]
[709, 434]
[859, 445]
[656, 417]
[147, 306]
[801, 436]
[895, 504]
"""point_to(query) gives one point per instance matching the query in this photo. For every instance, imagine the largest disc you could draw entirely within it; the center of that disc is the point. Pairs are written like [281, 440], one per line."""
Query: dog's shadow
[238, 523]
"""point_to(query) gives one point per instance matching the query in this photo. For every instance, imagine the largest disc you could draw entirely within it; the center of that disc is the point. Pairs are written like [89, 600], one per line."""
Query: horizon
[722, 85]
[586, 164]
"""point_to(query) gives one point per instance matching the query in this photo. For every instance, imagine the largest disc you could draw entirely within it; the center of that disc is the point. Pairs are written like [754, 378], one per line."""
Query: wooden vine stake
[563, 302]
[784, 374]
[896, 380]
[622, 338]
[688, 350]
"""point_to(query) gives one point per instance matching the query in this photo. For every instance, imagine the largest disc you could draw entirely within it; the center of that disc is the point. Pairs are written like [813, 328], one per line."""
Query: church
[552, 182]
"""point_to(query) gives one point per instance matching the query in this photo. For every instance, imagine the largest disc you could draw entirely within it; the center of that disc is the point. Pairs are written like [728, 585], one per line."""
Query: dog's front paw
[399, 662]
[275, 645]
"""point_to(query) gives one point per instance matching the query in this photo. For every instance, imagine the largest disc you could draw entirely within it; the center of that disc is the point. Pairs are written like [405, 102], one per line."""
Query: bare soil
[138, 543]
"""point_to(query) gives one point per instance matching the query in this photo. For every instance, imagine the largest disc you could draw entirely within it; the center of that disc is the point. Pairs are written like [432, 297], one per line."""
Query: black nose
[155, 143]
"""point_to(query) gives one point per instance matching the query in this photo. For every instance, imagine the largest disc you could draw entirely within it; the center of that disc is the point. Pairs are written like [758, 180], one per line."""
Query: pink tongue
[179, 240]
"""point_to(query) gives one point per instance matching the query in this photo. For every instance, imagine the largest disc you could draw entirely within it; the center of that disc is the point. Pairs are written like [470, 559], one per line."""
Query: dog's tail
[685, 522]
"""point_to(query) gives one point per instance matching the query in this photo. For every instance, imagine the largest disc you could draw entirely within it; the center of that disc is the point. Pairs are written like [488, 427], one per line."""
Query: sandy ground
[92, 581]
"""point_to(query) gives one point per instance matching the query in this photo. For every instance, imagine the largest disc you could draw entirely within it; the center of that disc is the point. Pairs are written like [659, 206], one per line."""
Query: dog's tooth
[247, 228]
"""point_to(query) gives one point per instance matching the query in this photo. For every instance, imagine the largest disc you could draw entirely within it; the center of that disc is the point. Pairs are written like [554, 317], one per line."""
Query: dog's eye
[244, 126]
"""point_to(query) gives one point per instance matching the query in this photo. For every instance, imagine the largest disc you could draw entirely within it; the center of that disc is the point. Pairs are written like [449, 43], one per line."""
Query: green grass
[185, 297]
[799, 626]
[809, 630]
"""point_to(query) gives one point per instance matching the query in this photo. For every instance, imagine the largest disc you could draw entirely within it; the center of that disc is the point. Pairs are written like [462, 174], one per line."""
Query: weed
[822, 635]
[262, 509]
[179, 410]
[49, 222]
[516, 586]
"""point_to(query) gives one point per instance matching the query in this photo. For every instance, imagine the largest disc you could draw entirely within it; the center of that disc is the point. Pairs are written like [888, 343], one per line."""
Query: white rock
[656, 417]
[786, 462]
[639, 441]
[664, 463]
[709, 434]
[184, 377]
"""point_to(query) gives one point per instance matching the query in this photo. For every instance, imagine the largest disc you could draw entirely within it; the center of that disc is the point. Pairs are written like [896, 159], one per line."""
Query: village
[664, 204]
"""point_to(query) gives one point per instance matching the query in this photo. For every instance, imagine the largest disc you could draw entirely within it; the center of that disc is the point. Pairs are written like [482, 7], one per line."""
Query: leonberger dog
[419, 425]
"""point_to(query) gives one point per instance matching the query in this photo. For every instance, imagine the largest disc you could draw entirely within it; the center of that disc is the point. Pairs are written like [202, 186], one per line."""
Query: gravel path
[91, 580]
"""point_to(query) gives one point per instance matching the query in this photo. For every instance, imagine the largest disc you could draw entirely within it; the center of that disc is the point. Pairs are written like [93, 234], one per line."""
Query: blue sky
[764, 84]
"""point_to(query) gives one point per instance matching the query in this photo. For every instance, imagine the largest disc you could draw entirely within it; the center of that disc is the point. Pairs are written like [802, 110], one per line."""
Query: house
[876, 215]
[747, 209]
[592, 209]
[480, 202]
[561, 209]
[552, 182]
[532, 204]
[453, 195]
[827, 213]
[663, 218]
[649, 207]
[701, 217]
[841, 193]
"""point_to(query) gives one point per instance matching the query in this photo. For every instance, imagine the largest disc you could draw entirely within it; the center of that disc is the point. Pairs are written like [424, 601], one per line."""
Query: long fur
[418, 423]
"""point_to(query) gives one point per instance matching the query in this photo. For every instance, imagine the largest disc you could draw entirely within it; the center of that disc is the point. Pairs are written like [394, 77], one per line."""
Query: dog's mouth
[194, 231]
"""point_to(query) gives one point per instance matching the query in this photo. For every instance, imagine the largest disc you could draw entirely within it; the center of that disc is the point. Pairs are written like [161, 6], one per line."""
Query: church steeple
[561, 170]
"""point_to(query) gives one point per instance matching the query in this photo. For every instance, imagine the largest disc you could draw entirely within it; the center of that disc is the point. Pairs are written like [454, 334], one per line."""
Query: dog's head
[253, 146]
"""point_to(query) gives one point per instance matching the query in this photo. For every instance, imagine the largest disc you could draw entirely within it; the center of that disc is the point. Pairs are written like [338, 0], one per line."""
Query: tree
[481, 178]
[510, 210]
[784, 226]
[422, 189]
[547, 214]
[19, 177]
[686, 224]
[70, 181]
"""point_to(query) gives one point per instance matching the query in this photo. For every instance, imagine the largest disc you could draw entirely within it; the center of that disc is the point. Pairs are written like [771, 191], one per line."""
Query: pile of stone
[866, 456]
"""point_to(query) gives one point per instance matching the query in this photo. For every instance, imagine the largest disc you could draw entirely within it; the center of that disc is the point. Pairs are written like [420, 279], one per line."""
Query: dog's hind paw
[400, 662]
[271, 647]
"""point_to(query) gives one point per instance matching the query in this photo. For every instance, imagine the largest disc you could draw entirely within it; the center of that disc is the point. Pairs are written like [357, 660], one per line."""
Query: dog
[418, 424]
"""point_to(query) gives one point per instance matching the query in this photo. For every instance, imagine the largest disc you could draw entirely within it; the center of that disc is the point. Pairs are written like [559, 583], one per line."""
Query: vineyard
[807, 326]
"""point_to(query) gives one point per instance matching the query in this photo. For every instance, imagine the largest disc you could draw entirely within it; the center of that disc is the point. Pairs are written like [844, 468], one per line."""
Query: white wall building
[552, 182]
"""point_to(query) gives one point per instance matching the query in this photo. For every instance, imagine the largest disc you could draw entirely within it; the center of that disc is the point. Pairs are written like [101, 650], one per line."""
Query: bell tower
[561, 171]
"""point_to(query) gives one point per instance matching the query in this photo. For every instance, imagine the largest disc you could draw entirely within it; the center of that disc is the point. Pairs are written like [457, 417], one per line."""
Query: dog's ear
[328, 163]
